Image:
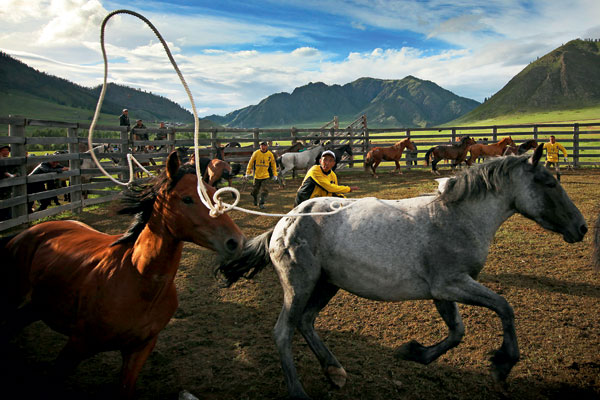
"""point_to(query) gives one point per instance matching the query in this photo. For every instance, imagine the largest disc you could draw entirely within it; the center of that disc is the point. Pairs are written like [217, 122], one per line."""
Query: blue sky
[235, 53]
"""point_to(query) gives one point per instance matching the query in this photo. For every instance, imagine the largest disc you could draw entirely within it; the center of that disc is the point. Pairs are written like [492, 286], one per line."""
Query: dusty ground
[219, 345]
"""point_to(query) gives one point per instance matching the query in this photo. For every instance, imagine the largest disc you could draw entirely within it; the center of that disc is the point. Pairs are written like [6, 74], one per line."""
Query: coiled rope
[216, 206]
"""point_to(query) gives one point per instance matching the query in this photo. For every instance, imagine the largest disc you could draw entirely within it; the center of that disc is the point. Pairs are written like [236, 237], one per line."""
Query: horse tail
[368, 160]
[427, 154]
[252, 259]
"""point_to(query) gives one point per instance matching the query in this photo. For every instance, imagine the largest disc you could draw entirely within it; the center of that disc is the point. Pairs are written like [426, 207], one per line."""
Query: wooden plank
[12, 139]
[11, 223]
[19, 180]
[13, 201]
[51, 140]
[99, 200]
[52, 211]
[51, 193]
[52, 124]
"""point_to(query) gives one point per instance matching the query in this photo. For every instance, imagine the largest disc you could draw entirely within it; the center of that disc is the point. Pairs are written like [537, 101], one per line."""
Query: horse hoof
[411, 351]
[501, 366]
[337, 376]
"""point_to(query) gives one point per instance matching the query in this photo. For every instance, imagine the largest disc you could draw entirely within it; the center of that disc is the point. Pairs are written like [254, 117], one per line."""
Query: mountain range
[386, 102]
[18, 78]
[566, 78]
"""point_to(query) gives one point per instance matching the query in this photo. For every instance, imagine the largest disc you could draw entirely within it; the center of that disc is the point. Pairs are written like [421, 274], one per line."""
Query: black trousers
[260, 190]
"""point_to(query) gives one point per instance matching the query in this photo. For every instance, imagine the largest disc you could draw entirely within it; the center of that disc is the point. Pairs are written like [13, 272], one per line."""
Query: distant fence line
[582, 142]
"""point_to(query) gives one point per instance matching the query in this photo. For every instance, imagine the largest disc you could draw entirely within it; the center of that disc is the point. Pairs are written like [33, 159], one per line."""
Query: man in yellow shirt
[552, 147]
[263, 164]
[321, 181]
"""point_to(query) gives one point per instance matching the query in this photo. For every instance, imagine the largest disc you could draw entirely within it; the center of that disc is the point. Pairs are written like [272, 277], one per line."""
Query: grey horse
[428, 247]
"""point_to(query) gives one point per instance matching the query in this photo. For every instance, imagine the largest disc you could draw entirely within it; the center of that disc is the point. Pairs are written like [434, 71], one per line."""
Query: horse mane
[138, 200]
[401, 142]
[476, 182]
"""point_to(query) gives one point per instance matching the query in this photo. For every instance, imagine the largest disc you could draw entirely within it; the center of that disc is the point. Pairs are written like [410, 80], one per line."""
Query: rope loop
[217, 206]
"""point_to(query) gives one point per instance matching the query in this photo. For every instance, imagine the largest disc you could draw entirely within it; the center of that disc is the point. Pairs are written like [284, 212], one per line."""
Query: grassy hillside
[568, 78]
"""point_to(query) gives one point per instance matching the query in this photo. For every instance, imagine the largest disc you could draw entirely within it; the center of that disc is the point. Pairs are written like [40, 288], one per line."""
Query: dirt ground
[219, 344]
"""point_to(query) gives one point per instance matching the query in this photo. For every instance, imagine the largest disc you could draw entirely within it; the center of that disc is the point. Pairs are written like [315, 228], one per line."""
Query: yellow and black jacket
[319, 184]
[552, 151]
[260, 163]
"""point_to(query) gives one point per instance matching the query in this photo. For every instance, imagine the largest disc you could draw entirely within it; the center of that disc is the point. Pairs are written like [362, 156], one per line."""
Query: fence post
[409, 163]
[126, 144]
[535, 132]
[294, 135]
[18, 150]
[255, 137]
[171, 137]
[213, 142]
[495, 133]
[332, 134]
[75, 181]
[453, 135]
[575, 145]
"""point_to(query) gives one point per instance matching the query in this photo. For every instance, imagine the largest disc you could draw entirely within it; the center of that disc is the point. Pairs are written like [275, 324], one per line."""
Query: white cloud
[491, 44]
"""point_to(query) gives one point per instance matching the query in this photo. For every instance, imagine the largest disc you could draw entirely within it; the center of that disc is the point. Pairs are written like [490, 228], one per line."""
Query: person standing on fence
[37, 187]
[263, 164]
[321, 181]
[124, 119]
[552, 147]
[138, 135]
[161, 135]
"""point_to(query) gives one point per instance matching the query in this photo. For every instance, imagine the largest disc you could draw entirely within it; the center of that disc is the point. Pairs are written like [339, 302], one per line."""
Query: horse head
[540, 197]
[180, 210]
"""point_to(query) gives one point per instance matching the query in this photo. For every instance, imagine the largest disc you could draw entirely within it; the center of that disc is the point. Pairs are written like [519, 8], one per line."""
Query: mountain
[566, 78]
[19, 81]
[387, 103]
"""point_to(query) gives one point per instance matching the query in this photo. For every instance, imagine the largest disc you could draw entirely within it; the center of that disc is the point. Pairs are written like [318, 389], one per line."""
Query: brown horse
[454, 151]
[489, 150]
[392, 153]
[521, 149]
[216, 169]
[112, 292]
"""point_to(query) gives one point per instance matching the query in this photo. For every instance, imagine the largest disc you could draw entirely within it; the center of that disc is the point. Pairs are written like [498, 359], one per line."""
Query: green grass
[36, 108]
[588, 114]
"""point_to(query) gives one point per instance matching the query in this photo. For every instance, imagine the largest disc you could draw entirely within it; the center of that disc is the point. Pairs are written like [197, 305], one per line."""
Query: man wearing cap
[552, 148]
[321, 181]
[263, 164]
[124, 119]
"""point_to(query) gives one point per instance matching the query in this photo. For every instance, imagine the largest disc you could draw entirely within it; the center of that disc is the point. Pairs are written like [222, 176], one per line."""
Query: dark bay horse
[454, 151]
[489, 150]
[339, 153]
[393, 153]
[410, 249]
[111, 292]
[521, 149]
[213, 171]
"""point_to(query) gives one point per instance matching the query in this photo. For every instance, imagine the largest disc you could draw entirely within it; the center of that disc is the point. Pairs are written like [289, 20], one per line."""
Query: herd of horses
[117, 292]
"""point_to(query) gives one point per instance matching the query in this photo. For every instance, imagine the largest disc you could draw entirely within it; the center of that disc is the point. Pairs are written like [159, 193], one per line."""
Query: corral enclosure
[581, 140]
[219, 343]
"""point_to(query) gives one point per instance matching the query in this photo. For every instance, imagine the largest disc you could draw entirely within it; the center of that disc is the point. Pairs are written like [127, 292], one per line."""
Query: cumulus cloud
[227, 66]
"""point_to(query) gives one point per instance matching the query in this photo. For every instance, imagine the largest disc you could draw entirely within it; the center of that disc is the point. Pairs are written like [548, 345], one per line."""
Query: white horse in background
[298, 161]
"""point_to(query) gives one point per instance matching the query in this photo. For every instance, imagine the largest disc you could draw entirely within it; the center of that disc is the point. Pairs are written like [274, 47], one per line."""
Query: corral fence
[87, 187]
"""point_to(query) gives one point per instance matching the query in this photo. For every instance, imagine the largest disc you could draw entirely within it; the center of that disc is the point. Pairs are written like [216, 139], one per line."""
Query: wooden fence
[581, 140]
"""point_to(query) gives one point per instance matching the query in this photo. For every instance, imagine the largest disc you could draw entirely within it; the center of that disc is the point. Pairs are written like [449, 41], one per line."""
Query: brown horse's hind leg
[374, 168]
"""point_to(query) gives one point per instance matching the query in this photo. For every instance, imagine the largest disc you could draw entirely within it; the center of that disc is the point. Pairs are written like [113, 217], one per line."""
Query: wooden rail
[582, 142]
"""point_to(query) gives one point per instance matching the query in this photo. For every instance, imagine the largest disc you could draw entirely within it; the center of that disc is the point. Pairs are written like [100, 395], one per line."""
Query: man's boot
[255, 200]
[558, 177]
[261, 203]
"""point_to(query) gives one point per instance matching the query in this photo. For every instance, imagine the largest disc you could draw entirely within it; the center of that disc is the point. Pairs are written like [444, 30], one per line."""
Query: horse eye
[188, 200]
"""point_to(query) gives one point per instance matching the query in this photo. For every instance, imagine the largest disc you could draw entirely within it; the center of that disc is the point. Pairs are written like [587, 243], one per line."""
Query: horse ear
[172, 165]
[537, 154]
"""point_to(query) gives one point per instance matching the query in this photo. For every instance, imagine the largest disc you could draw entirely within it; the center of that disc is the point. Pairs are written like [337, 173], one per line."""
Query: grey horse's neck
[483, 215]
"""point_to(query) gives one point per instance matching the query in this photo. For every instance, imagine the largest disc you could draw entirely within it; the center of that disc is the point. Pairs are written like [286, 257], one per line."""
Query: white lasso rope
[219, 207]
